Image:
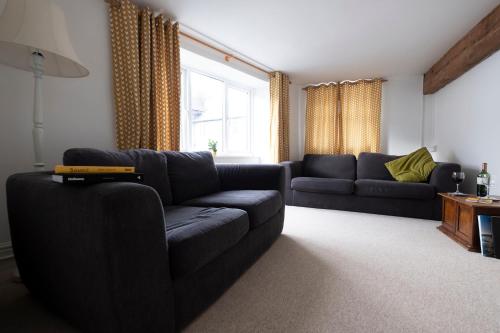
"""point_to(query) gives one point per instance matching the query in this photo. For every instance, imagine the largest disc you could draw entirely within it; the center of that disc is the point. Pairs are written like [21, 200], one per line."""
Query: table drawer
[449, 215]
[465, 223]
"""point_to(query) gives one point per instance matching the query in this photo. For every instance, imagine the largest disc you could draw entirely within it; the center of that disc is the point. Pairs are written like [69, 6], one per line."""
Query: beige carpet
[337, 271]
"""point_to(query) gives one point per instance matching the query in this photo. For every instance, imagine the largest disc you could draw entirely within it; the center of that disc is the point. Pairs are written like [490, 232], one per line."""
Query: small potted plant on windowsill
[212, 146]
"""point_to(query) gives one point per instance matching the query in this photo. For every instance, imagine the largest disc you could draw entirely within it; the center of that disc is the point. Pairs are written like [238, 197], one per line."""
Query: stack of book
[86, 175]
[485, 200]
[489, 235]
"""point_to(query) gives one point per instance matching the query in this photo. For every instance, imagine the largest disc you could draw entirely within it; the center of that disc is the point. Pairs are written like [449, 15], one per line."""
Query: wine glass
[458, 178]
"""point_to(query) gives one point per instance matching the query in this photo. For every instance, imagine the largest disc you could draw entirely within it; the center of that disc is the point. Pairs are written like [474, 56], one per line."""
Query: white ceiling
[325, 40]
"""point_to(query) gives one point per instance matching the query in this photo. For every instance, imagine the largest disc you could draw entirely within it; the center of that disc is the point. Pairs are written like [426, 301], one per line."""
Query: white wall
[429, 121]
[78, 112]
[401, 123]
[402, 112]
[295, 121]
[467, 120]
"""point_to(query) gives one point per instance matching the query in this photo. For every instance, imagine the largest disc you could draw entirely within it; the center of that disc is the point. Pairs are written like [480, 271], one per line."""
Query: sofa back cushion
[192, 174]
[149, 162]
[372, 166]
[330, 166]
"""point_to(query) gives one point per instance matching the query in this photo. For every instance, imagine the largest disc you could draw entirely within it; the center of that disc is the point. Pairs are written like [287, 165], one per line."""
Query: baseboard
[6, 251]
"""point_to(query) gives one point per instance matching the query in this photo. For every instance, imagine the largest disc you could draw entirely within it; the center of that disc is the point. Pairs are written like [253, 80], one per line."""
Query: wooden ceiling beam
[478, 44]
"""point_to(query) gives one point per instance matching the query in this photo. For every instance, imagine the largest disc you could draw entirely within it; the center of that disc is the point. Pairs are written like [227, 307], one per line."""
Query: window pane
[237, 135]
[238, 102]
[205, 130]
[207, 98]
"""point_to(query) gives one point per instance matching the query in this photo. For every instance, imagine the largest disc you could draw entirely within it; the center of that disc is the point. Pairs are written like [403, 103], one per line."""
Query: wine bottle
[483, 181]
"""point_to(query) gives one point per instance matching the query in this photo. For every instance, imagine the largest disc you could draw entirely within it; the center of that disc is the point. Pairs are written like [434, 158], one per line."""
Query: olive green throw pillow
[415, 167]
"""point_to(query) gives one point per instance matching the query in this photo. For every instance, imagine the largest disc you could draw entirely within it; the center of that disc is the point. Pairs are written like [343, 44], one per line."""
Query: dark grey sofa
[126, 257]
[364, 185]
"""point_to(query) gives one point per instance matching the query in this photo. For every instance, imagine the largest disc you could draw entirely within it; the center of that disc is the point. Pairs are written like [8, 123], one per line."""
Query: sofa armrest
[96, 254]
[440, 177]
[252, 177]
[292, 169]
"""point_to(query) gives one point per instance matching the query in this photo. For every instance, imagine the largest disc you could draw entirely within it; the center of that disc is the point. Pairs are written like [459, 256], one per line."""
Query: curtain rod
[342, 82]
[227, 56]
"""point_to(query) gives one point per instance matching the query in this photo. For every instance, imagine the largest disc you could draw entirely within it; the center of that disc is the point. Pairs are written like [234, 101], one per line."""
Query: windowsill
[237, 159]
[235, 156]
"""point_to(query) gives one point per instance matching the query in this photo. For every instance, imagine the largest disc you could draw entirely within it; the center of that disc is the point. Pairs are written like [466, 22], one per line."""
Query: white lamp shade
[28, 26]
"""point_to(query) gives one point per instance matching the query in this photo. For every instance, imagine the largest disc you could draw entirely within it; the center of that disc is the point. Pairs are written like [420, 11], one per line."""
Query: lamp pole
[34, 38]
[38, 111]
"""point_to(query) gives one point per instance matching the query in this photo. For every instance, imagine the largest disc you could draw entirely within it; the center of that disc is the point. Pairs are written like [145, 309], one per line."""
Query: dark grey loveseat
[364, 185]
[126, 257]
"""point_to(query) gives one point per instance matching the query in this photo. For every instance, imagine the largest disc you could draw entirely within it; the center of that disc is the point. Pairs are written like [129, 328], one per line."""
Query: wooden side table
[459, 219]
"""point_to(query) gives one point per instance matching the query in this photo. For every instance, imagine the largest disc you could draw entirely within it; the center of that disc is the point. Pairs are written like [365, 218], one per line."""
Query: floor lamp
[33, 37]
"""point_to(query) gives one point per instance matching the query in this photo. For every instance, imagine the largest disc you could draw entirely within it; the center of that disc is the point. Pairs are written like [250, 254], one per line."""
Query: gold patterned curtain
[278, 85]
[360, 104]
[343, 118]
[322, 120]
[146, 78]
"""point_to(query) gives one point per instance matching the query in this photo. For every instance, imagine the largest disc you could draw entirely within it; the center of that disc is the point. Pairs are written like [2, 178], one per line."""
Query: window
[215, 109]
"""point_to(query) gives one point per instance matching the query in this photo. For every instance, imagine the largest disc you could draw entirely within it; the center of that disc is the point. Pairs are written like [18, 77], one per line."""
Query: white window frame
[186, 121]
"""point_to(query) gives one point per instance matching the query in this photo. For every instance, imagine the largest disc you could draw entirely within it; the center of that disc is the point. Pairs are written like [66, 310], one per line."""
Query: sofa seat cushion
[393, 189]
[197, 235]
[260, 205]
[323, 185]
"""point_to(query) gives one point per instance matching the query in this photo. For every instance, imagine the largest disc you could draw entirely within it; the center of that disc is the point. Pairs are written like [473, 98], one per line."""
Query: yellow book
[479, 200]
[92, 169]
